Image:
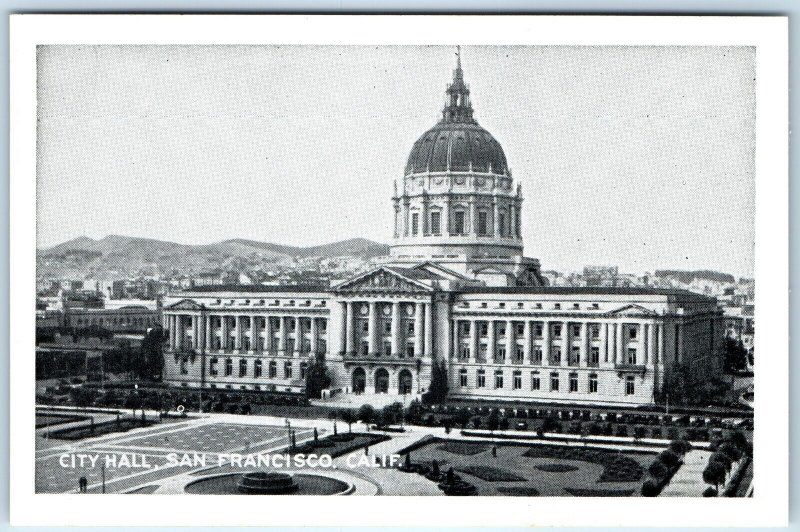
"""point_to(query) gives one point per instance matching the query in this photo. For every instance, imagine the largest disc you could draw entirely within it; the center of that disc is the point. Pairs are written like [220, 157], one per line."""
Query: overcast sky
[641, 157]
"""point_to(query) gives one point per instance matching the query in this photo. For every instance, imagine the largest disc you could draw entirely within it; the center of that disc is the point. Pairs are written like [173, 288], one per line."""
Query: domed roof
[457, 143]
[458, 147]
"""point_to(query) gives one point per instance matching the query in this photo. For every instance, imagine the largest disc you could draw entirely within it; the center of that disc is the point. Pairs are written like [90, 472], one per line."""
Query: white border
[768, 34]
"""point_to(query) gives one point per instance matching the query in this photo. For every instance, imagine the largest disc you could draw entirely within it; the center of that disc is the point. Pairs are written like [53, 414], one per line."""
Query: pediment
[186, 304]
[382, 280]
[632, 310]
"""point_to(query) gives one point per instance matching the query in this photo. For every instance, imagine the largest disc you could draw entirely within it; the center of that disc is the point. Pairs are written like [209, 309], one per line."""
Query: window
[594, 356]
[410, 328]
[594, 331]
[459, 223]
[242, 367]
[554, 382]
[387, 327]
[484, 329]
[303, 370]
[483, 223]
[535, 381]
[481, 378]
[500, 353]
[630, 387]
[292, 325]
[498, 378]
[501, 224]
[184, 369]
[519, 355]
[573, 382]
[462, 377]
[501, 327]
[576, 330]
[273, 369]
[228, 367]
[410, 350]
[257, 369]
[574, 355]
[556, 354]
[436, 222]
[463, 352]
[537, 354]
[246, 343]
[538, 330]
[387, 348]
[519, 328]
[632, 333]
[364, 348]
[631, 355]
[576, 306]
[593, 383]
[517, 380]
[287, 370]
[415, 223]
[557, 330]
[290, 345]
[464, 328]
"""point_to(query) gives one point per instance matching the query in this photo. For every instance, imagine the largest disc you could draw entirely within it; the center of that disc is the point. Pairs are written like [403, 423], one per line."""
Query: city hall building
[456, 290]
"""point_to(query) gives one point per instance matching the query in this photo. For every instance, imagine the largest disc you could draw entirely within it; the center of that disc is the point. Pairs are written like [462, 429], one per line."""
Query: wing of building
[455, 290]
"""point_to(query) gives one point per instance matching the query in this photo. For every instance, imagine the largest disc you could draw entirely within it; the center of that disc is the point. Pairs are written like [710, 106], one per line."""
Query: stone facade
[457, 289]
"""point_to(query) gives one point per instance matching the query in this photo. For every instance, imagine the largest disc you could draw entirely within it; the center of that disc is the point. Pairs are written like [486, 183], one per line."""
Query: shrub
[710, 492]
[658, 470]
[639, 432]
[650, 488]
[722, 459]
[622, 430]
[669, 458]
[656, 433]
[731, 451]
[714, 473]
[680, 447]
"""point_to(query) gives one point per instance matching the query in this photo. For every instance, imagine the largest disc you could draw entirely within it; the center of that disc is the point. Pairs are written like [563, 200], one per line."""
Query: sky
[641, 157]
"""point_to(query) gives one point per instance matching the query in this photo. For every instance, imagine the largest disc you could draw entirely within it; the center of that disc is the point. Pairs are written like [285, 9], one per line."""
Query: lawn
[544, 470]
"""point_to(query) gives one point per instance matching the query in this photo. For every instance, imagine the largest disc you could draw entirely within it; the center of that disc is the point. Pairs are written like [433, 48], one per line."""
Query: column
[565, 343]
[583, 359]
[646, 343]
[660, 355]
[603, 342]
[474, 345]
[350, 329]
[344, 330]
[618, 343]
[254, 334]
[429, 329]
[546, 343]
[298, 336]
[510, 343]
[473, 217]
[314, 333]
[179, 330]
[490, 343]
[448, 336]
[373, 326]
[170, 324]
[418, 329]
[527, 352]
[496, 219]
[269, 332]
[446, 217]
[396, 329]
[282, 335]
[207, 330]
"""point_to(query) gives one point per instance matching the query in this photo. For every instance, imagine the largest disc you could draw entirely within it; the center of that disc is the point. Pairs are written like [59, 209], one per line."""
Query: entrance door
[405, 382]
[381, 381]
[359, 380]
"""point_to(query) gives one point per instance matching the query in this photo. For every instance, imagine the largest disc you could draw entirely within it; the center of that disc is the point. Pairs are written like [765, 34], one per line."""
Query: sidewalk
[688, 481]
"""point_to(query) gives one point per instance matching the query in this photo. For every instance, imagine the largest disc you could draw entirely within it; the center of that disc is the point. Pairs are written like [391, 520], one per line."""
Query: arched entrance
[405, 381]
[381, 381]
[359, 380]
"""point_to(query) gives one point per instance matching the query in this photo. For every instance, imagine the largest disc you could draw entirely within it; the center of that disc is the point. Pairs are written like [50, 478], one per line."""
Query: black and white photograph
[510, 271]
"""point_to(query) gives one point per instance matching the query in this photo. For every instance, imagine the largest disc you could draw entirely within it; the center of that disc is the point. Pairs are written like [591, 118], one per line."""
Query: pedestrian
[82, 483]
[494, 451]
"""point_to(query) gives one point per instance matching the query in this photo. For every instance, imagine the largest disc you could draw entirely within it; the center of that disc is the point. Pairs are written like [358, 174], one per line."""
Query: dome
[458, 147]
[457, 143]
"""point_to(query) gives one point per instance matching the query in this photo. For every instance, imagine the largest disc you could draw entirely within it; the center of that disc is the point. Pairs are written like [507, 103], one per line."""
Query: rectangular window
[630, 387]
[554, 382]
[481, 379]
[463, 352]
[242, 368]
[517, 382]
[287, 370]
[290, 345]
[536, 383]
[459, 223]
[594, 331]
[500, 353]
[632, 333]
[520, 328]
[501, 224]
[364, 348]
[257, 369]
[387, 327]
[184, 369]
[631, 355]
[538, 330]
[576, 330]
[498, 378]
[556, 354]
[593, 383]
[414, 223]
[410, 350]
[594, 356]
[303, 370]
[410, 328]
[557, 330]
[228, 367]
[573, 382]
[273, 370]
[537, 354]
[212, 366]
[483, 223]
[484, 329]
[519, 356]
[574, 355]
[462, 378]
[436, 223]
[387, 348]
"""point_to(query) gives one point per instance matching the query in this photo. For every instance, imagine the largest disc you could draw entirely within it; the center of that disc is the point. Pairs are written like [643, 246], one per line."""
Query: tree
[150, 361]
[680, 447]
[349, 417]
[735, 355]
[722, 459]
[366, 414]
[392, 413]
[462, 417]
[669, 458]
[414, 412]
[714, 473]
[437, 391]
[494, 420]
[731, 451]
[317, 378]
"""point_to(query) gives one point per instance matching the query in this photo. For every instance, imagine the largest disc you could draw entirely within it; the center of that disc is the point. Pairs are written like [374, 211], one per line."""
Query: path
[688, 480]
